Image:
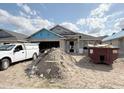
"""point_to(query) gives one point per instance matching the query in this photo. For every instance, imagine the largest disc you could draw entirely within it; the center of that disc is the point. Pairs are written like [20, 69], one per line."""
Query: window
[91, 51]
[6, 47]
[72, 43]
[85, 47]
[79, 37]
[115, 51]
[18, 48]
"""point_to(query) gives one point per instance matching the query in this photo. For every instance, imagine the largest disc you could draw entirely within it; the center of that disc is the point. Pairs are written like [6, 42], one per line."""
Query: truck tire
[5, 63]
[34, 56]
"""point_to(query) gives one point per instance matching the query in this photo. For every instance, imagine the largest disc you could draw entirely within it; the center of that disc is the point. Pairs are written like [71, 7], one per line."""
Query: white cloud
[19, 21]
[119, 23]
[34, 12]
[70, 26]
[92, 22]
[116, 14]
[95, 31]
[96, 19]
[26, 9]
[101, 10]
[94, 25]
[41, 23]
[24, 15]
[81, 21]
[25, 25]
[4, 13]
[98, 23]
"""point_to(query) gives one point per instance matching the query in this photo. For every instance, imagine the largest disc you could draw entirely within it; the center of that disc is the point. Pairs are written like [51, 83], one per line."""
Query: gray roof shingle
[62, 31]
[114, 36]
[66, 32]
[7, 36]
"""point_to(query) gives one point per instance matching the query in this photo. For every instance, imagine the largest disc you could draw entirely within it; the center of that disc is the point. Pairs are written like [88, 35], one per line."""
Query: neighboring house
[64, 38]
[11, 37]
[102, 37]
[117, 40]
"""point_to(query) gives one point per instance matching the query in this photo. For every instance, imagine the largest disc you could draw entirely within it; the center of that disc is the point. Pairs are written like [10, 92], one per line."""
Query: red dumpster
[103, 55]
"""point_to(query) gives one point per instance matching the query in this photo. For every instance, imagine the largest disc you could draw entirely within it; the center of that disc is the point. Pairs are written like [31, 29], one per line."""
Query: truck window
[18, 48]
[6, 47]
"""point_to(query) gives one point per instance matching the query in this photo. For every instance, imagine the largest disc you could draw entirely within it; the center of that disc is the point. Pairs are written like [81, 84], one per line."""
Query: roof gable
[45, 35]
[62, 31]
[69, 33]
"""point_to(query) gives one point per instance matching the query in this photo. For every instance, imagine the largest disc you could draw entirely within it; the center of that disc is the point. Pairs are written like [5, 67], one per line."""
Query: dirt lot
[88, 75]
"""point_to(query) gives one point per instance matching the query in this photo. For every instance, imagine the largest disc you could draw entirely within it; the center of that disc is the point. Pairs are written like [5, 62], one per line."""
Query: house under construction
[58, 36]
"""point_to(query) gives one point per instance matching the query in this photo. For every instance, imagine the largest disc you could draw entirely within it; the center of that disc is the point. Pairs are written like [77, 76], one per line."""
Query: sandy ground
[88, 75]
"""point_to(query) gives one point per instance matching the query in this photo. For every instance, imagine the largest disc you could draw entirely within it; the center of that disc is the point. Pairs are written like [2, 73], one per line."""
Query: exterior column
[78, 45]
[62, 44]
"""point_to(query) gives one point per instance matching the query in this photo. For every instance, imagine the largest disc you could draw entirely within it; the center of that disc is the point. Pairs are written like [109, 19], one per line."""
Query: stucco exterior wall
[62, 44]
[118, 43]
[113, 42]
[121, 46]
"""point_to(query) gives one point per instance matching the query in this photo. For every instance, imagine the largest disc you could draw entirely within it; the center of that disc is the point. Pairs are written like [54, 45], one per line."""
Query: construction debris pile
[53, 63]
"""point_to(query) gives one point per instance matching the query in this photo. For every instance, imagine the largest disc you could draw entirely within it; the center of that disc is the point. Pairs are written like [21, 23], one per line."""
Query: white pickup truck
[15, 52]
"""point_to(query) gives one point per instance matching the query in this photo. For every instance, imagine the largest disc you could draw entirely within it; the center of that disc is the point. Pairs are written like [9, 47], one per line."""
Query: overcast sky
[93, 19]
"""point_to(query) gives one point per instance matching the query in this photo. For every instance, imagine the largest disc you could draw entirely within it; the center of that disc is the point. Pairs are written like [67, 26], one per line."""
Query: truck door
[19, 53]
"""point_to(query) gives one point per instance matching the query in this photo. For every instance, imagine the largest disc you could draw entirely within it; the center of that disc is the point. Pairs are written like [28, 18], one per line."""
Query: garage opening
[47, 45]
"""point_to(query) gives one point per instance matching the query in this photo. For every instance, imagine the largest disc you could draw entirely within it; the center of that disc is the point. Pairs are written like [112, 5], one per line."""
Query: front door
[71, 49]
[19, 53]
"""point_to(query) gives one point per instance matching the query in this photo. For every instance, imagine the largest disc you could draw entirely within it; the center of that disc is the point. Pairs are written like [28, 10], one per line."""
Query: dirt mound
[118, 63]
[53, 63]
